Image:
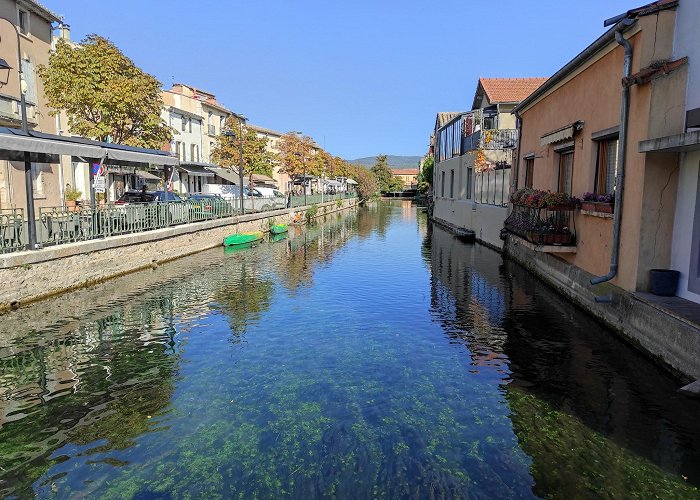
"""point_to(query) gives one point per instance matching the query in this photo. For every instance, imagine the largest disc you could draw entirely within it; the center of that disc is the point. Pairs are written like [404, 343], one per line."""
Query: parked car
[208, 205]
[272, 198]
[144, 210]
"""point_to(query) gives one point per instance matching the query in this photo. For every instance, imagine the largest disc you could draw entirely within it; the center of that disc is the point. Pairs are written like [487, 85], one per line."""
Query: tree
[257, 157]
[367, 184]
[425, 176]
[295, 153]
[105, 95]
[385, 177]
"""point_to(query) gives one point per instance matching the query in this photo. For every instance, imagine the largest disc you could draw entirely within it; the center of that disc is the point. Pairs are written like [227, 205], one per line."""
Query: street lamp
[241, 121]
[28, 183]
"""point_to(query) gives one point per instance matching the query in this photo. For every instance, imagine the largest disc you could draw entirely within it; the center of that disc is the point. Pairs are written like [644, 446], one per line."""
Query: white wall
[686, 42]
[683, 223]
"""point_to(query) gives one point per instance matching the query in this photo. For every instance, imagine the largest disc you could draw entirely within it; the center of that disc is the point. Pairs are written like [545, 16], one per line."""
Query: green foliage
[311, 212]
[383, 173]
[338, 203]
[257, 156]
[73, 194]
[105, 95]
[425, 176]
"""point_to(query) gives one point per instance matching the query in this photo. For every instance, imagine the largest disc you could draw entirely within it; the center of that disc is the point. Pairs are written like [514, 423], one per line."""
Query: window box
[596, 206]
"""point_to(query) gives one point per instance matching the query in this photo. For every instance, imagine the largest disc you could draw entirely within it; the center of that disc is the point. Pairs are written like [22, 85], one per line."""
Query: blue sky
[368, 76]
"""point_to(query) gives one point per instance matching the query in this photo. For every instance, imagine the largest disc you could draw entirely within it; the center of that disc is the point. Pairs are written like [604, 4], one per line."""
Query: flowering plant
[536, 198]
[599, 198]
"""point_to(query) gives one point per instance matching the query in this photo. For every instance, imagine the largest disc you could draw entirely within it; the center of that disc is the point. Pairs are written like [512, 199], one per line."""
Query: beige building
[408, 176]
[473, 154]
[30, 25]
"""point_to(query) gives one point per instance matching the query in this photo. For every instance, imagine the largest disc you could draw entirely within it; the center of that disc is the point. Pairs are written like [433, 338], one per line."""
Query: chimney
[64, 31]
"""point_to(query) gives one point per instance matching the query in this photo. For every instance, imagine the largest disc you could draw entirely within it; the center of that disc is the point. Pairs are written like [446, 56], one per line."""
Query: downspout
[60, 167]
[516, 160]
[619, 181]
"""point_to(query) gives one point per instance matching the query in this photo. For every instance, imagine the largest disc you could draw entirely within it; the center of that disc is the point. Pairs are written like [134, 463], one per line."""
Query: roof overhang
[679, 143]
[197, 169]
[229, 175]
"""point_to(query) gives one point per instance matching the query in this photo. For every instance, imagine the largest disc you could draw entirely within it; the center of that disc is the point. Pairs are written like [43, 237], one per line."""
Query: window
[177, 150]
[470, 171]
[189, 125]
[452, 183]
[23, 21]
[38, 179]
[566, 171]
[184, 124]
[442, 185]
[195, 152]
[529, 171]
[606, 166]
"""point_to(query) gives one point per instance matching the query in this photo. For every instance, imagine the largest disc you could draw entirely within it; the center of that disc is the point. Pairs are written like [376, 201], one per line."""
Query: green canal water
[369, 356]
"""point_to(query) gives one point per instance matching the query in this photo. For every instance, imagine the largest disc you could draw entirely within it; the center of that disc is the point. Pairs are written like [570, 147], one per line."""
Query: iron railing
[59, 225]
[491, 186]
[11, 229]
[543, 226]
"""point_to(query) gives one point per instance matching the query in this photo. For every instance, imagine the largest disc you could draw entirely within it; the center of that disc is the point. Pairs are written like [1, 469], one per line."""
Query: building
[279, 179]
[620, 121]
[408, 176]
[28, 26]
[473, 154]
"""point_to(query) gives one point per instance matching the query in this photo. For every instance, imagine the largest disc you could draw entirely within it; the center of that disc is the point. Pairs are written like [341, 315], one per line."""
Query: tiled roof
[404, 171]
[499, 90]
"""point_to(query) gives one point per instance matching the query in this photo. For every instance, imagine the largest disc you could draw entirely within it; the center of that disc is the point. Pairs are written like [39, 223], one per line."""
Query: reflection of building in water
[469, 296]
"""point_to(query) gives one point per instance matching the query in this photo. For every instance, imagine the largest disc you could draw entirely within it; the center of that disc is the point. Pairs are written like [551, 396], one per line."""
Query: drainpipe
[619, 181]
[516, 160]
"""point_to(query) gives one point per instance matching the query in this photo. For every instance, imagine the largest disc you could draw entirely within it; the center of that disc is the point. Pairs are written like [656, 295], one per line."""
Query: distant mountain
[393, 161]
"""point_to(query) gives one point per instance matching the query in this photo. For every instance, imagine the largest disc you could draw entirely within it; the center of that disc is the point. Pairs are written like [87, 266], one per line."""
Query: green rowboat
[242, 238]
[279, 229]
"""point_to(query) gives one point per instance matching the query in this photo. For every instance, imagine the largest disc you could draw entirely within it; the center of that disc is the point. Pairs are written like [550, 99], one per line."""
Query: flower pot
[562, 239]
[597, 206]
[588, 206]
[663, 282]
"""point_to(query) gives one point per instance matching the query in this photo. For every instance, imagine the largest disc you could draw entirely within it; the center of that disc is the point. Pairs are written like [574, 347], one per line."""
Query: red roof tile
[404, 171]
[507, 89]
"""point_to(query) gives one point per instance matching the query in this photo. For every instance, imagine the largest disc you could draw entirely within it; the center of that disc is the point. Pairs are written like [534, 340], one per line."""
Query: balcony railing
[11, 229]
[492, 139]
[543, 226]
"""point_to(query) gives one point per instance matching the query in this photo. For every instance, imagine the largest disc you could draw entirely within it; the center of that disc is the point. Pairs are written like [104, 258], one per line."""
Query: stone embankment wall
[672, 340]
[26, 277]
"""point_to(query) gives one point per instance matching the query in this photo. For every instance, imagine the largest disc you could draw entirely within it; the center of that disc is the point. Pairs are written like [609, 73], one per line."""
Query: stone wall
[670, 339]
[26, 277]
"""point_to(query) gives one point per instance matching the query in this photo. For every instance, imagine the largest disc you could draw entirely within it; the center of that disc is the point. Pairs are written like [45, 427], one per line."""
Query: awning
[14, 142]
[351, 181]
[228, 175]
[332, 183]
[196, 170]
[561, 134]
[264, 178]
[147, 175]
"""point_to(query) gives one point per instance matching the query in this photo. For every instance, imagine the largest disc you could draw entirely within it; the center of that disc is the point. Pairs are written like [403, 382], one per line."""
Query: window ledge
[602, 215]
[543, 248]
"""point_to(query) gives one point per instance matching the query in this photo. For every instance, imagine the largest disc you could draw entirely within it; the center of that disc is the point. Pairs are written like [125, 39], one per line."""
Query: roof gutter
[604, 40]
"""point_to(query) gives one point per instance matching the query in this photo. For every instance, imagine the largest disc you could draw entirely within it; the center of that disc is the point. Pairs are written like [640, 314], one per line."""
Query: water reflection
[595, 416]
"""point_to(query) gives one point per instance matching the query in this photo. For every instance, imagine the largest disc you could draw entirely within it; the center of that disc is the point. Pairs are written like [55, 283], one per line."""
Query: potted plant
[603, 203]
[72, 198]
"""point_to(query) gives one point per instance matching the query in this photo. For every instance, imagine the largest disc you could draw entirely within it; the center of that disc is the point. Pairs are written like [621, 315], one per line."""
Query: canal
[371, 355]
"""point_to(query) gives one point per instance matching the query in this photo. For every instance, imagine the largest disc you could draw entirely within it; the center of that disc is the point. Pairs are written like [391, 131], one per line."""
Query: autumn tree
[425, 177]
[367, 182]
[105, 95]
[257, 157]
[388, 183]
[296, 154]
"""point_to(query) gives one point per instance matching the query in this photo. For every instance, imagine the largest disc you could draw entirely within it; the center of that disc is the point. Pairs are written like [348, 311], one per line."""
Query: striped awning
[561, 134]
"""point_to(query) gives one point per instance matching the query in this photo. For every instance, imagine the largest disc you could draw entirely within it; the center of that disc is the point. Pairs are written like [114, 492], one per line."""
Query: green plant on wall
[311, 212]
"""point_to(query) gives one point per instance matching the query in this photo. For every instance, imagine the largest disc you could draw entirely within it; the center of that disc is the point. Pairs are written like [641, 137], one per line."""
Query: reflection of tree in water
[315, 244]
[374, 217]
[244, 298]
[98, 383]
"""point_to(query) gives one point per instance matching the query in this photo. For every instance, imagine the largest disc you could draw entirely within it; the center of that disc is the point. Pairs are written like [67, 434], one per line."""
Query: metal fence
[491, 187]
[11, 229]
[59, 225]
[543, 226]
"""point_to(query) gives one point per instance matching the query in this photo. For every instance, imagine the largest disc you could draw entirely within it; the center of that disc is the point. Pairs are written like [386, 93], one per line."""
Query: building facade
[473, 154]
[28, 25]
[408, 176]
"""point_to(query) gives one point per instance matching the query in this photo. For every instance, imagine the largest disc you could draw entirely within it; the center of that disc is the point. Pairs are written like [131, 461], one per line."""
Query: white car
[271, 199]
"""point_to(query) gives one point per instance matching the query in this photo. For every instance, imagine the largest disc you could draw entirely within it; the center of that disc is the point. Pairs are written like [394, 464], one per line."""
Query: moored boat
[279, 228]
[242, 238]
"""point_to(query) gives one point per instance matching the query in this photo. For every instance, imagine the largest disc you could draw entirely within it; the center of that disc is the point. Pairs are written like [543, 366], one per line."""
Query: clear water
[371, 356]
